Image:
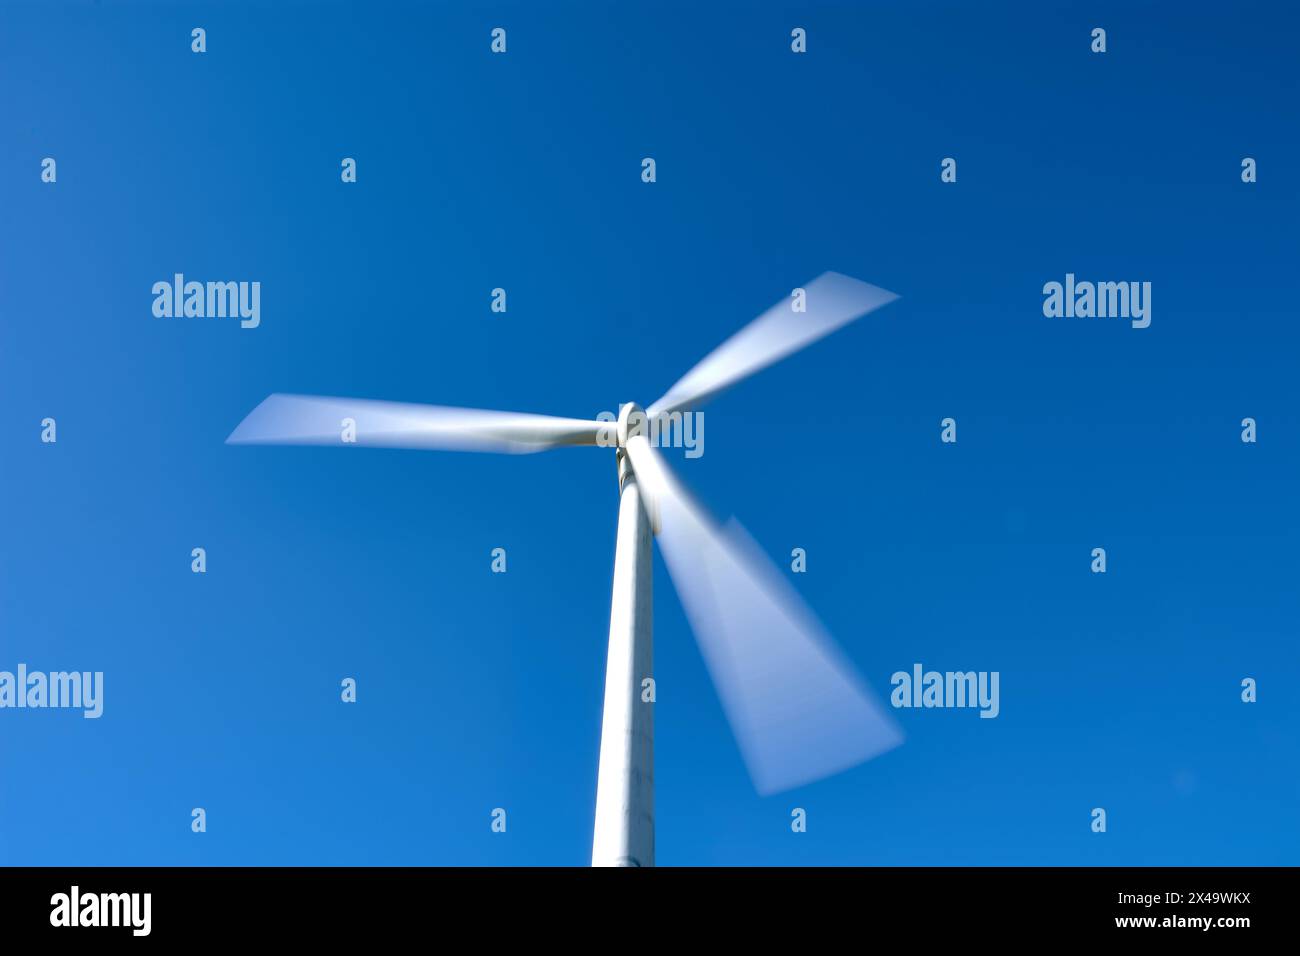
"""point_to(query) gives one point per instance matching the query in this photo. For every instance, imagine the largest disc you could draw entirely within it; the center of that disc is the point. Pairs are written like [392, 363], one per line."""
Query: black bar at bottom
[210, 905]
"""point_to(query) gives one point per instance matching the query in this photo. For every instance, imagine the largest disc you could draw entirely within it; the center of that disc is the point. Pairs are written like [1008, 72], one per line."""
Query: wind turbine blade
[318, 420]
[832, 301]
[794, 703]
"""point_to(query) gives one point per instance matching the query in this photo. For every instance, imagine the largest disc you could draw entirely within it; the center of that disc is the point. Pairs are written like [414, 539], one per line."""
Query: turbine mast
[625, 814]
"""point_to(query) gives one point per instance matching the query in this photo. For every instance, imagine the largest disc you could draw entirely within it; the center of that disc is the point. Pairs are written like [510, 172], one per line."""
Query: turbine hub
[631, 422]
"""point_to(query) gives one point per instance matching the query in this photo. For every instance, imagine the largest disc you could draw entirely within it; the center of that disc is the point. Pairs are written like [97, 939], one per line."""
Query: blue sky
[522, 171]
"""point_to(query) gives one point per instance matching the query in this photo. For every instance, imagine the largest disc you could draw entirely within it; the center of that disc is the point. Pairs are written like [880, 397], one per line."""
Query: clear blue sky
[522, 171]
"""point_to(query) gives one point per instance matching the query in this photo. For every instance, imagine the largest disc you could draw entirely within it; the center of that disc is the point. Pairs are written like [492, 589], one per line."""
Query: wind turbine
[797, 709]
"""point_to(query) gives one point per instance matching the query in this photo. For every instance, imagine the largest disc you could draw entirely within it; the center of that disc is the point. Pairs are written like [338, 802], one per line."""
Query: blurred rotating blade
[832, 301]
[318, 420]
[797, 709]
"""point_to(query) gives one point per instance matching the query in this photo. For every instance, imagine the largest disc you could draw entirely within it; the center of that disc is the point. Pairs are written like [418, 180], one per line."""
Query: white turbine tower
[798, 711]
